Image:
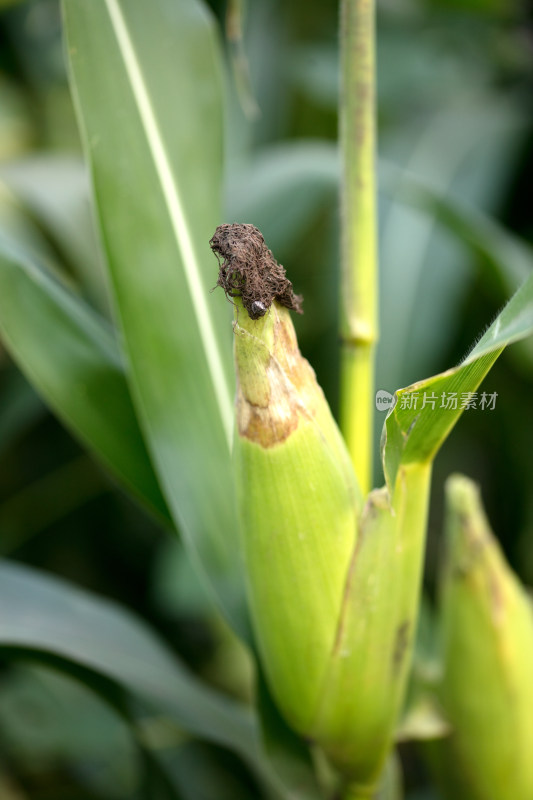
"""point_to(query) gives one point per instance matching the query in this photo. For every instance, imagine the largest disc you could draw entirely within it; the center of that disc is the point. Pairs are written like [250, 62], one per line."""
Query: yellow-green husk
[487, 687]
[333, 582]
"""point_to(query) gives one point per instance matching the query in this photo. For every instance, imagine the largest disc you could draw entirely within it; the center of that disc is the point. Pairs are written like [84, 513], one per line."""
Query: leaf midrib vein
[176, 214]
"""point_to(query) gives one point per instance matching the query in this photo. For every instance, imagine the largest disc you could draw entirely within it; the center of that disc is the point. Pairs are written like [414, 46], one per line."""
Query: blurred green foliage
[455, 85]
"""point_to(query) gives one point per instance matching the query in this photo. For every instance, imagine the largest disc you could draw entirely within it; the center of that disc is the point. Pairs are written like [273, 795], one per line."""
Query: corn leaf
[53, 190]
[509, 258]
[72, 359]
[54, 622]
[300, 177]
[148, 92]
[425, 412]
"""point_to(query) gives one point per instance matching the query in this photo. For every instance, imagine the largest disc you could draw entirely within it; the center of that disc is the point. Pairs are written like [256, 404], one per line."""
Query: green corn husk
[487, 687]
[299, 503]
[333, 586]
[368, 669]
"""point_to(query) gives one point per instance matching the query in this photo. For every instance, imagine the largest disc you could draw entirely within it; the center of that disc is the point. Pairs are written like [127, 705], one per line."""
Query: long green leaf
[72, 359]
[48, 617]
[425, 412]
[54, 192]
[509, 257]
[152, 134]
[299, 177]
[40, 712]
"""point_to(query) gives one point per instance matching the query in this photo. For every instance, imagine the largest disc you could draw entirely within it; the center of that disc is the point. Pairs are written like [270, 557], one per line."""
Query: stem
[359, 290]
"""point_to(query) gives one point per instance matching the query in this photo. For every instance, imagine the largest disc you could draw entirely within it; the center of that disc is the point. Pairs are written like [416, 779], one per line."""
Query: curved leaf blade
[508, 257]
[420, 420]
[72, 359]
[153, 138]
[300, 177]
[53, 190]
[49, 617]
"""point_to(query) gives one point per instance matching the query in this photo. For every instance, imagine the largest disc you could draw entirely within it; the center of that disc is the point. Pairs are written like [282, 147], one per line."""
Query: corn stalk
[359, 285]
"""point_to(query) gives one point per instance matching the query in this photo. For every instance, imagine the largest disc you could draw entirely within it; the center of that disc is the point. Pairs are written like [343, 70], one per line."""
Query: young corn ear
[299, 503]
[333, 587]
[487, 687]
